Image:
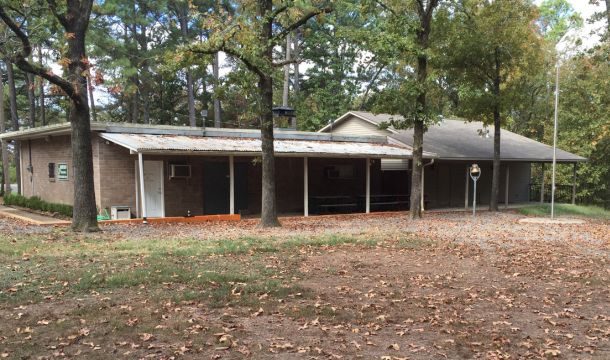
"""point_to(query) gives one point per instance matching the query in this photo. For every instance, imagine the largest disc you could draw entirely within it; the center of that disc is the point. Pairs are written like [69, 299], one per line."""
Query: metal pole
[142, 194]
[555, 142]
[474, 199]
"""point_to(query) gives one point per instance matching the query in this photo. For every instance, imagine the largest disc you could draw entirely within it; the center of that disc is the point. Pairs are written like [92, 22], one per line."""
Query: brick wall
[116, 179]
[39, 153]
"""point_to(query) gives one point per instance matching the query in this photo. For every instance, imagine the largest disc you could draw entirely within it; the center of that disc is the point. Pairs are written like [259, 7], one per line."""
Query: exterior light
[475, 174]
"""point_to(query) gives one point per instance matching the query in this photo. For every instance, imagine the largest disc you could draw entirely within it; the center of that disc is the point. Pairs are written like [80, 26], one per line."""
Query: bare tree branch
[62, 19]
[386, 7]
[286, 62]
[284, 32]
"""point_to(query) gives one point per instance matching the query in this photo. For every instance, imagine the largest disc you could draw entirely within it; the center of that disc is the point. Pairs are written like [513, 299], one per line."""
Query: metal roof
[182, 144]
[460, 140]
[65, 129]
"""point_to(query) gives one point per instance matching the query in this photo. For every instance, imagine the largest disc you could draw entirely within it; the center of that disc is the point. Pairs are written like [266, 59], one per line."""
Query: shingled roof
[455, 139]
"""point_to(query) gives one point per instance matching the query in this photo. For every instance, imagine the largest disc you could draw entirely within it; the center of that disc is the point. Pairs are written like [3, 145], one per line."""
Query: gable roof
[454, 139]
[365, 116]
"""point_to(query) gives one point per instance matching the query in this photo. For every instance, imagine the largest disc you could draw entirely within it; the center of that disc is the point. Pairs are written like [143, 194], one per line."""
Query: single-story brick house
[186, 171]
[458, 144]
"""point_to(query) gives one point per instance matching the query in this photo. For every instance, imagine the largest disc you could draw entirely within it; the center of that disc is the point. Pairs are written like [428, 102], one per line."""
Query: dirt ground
[448, 286]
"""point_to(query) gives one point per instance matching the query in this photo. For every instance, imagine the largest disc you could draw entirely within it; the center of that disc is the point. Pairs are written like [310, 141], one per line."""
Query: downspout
[30, 167]
[422, 182]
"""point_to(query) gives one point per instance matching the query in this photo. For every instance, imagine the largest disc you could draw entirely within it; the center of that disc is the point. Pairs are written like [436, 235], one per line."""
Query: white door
[153, 188]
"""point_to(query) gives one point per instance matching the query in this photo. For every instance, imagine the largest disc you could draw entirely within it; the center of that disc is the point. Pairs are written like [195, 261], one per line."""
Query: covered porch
[192, 176]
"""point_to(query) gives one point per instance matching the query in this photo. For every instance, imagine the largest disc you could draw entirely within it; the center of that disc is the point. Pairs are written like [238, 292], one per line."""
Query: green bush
[37, 203]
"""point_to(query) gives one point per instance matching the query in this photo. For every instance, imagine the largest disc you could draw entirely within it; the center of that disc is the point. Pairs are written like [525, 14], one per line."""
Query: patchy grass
[38, 267]
[389, 288]
[566, 209]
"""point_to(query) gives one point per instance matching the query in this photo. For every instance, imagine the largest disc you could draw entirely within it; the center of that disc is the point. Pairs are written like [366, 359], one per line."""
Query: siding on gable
[357, 126]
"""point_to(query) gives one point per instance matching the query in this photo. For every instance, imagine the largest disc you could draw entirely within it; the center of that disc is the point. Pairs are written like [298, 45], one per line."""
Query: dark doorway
[241, 187]
[215, 187]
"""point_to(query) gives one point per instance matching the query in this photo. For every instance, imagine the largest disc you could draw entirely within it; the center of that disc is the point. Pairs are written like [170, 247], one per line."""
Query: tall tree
[74, 18]
[491, 47]
[425, 9]
[31, 87]
[12, 95]
[6, 181]
[181, 9]
[251, 36]
[41, 102]
[405, 44]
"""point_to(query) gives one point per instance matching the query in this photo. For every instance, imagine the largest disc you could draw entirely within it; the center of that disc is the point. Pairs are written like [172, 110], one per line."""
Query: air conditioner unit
[179, 171]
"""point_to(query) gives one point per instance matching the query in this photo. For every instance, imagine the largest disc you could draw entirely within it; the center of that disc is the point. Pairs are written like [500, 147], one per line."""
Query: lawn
[344, 287]
[567, 209]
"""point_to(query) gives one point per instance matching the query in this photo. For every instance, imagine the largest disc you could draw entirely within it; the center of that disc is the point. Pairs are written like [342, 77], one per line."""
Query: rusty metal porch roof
[202, 145]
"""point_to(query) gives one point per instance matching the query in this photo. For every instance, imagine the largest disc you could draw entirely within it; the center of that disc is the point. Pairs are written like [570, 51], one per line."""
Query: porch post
[423, 169]
[231, 185]
[466, 191]
[506, 190]
[305, 187]
[368, 185]
[542, 186]
[142, 193]
[574, 185]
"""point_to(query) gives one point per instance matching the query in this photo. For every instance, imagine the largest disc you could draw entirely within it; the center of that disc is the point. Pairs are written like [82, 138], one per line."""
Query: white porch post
[305, 187]
[368, 185]
[421, 205]
[142, 193]
[506, 190]
[467, 188]
[231, 185]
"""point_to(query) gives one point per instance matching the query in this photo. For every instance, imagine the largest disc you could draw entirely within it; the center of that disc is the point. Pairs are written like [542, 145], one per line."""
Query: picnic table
[332, 203]
[348, 203]
[386, 201]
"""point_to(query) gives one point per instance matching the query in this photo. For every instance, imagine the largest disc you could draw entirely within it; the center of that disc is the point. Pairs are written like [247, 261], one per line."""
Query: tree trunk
[416, 196]
[216, 73]
[135, 102]
[495, 179]
[5, 186]
[296, 86]
[43, 110]
[12, 93]
[30, 85]
[265, 86]
[286, 91]
[91, 99]
[84, 217]
[182, 12]
[268, 210]
[423, 33]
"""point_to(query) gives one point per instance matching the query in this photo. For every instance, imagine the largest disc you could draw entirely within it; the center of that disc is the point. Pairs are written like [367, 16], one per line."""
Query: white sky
[586, 10]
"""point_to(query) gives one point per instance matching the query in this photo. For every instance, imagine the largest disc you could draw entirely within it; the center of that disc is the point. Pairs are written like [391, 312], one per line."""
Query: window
[62, 172]
[52, 171]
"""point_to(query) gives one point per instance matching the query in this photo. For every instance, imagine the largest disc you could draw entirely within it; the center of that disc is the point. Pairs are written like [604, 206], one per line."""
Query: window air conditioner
[178, 171]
